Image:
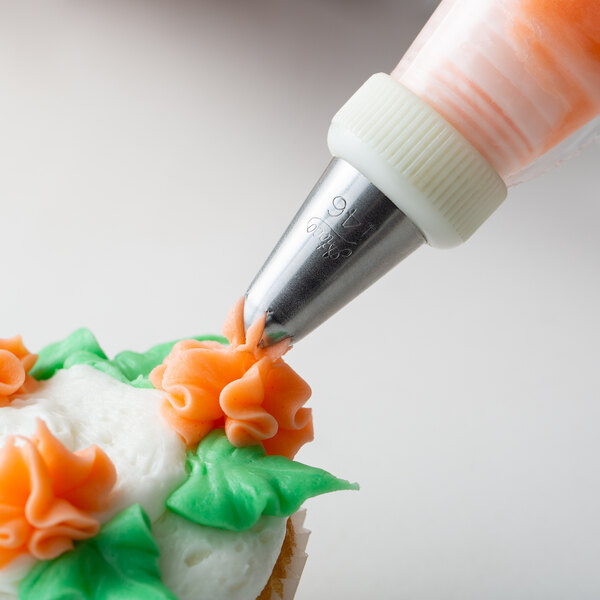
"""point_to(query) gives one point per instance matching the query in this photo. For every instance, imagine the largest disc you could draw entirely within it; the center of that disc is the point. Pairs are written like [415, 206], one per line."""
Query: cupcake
[164, 474]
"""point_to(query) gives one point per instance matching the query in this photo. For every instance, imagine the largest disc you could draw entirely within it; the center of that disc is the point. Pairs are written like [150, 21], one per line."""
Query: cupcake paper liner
[284, 580]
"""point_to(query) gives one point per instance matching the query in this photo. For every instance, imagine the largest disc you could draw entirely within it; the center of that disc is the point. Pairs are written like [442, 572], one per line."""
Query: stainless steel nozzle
[345, 236]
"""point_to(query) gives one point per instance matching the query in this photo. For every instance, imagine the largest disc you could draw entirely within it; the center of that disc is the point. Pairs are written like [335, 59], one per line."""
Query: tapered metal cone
[346, 235]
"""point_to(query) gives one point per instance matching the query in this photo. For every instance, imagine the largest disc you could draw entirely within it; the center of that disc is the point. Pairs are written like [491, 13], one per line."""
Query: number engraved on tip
[351, 221]
[333, 243]
[339, 206]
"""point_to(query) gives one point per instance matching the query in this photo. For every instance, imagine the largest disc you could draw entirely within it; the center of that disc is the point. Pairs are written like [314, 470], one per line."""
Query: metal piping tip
[345, 236]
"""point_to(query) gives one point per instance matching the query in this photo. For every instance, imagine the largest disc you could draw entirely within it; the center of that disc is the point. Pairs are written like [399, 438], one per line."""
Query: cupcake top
[164, 474]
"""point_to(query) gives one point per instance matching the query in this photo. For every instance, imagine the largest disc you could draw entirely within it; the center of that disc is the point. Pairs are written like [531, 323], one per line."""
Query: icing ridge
[47, 495]
[248, 390]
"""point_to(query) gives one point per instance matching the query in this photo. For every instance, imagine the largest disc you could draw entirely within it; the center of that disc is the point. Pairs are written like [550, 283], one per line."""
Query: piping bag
[490, 93]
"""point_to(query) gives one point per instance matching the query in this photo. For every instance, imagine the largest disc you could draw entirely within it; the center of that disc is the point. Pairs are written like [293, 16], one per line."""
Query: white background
[151, 153]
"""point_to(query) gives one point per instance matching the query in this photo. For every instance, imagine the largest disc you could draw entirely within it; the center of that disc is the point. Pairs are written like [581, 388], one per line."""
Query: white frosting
[11, 575]
[83, 406]
[203, 563]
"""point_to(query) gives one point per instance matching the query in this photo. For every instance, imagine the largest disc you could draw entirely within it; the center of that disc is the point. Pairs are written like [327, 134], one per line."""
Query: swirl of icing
[15, 363]
[248, 390]
[47, 494]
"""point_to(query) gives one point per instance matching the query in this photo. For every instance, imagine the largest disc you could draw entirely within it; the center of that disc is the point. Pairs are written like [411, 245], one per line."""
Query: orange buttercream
[47, 495]
[514, 77]
[248, 390]
[558, 35]
[15, 363]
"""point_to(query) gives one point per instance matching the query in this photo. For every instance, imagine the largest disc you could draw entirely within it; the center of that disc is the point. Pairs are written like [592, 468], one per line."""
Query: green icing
[53, 357]
[82, 348]
[230, 488]
[120, 563]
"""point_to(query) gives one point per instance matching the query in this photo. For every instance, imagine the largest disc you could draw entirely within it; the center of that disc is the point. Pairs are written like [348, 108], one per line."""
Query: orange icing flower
[248, 390]
[15, 363]
[47, 494]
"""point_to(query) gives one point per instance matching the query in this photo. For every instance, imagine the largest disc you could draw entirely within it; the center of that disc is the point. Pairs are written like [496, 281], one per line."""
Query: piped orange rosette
[15, 363]
[48, 495]
[248, 390]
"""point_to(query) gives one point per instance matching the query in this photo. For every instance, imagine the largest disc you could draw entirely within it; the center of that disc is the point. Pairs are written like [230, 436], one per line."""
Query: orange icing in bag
[515, 77]
[248, 390]
[48, 495]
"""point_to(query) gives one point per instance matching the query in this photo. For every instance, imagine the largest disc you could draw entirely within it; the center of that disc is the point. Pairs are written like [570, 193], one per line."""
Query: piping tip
[346, 235]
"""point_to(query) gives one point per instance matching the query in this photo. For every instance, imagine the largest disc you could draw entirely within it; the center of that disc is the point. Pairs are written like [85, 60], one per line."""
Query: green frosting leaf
[120, 563]
[82, 348]
[230, 488]
[53, 357]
